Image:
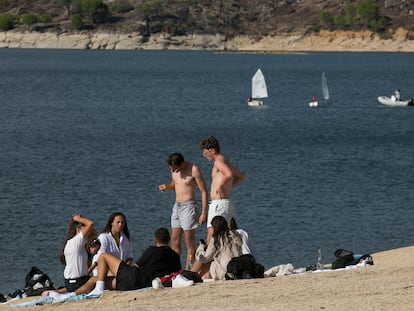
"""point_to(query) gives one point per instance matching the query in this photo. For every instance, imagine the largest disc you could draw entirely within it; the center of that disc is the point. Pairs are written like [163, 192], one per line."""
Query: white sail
[325, 90]
[259, 89]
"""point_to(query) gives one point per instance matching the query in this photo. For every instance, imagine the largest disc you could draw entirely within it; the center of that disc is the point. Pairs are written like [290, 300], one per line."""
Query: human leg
[202, 269]
[189, 236]
[188, 216]
[106, 263]
[176, 234]
[87, 287]
[176, 230]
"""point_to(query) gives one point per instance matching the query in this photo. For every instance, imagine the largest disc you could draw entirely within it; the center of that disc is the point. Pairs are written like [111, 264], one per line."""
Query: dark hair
[175, 159]
[233, 224]
[162, 235]
[108, 225]
[94, 243]
[72, 227]
[221, 231]
[210, 143]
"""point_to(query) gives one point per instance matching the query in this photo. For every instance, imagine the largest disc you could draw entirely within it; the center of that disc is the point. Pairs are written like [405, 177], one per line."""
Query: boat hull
[313, 104]
[388, 101]
[255, 103]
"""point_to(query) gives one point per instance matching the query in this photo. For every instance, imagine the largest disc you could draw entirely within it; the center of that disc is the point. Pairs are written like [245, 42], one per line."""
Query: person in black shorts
[156, 261]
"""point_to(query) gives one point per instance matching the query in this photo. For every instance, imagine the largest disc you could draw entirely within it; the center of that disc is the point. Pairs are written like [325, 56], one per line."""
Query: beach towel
[51, 300]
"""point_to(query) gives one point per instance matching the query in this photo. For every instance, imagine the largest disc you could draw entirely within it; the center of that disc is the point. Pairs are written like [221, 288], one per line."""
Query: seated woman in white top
[248, 246]
[115, 239]
[74, 255]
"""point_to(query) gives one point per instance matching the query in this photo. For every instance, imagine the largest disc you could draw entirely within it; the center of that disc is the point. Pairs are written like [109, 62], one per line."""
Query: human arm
[199, 179]
[127, 253]
[204, 255]
[91, 267]
[87, 224]
[238, 177]
[169, 187]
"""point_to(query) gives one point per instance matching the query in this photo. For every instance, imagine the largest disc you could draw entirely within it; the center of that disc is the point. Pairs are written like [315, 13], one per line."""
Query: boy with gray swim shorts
[186, 178]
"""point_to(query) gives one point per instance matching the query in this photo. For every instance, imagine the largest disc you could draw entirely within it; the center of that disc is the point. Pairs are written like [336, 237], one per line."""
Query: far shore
[386, 285]
[324, 41]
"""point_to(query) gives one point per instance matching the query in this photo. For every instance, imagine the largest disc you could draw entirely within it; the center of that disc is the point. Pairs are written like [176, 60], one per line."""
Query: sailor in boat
[249, 99]
[397, 94]
[313, 102]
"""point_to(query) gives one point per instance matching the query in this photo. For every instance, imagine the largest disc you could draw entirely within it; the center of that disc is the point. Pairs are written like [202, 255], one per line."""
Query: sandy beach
[387, 285]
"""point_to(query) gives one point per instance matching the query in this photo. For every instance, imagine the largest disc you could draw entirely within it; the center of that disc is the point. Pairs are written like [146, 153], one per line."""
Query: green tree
[29, 19]
[368, 11]
[3, 3]
[378, 25]
[147, 9]
[339, 21]
[44, 19]
[76, 22]
[7, 22]
[326, 19]
[121, 7]
[351, 12]
[96, 9]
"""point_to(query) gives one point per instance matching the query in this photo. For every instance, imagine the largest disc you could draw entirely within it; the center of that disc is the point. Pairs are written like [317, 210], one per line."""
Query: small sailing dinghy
[259, 90]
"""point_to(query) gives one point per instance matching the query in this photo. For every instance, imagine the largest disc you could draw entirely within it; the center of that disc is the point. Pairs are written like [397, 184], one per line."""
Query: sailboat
[325, 92]
[259, 89]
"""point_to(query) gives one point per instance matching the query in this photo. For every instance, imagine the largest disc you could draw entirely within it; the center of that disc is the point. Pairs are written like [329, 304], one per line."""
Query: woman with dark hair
[115, 239]
[223, 246]
[74, 255]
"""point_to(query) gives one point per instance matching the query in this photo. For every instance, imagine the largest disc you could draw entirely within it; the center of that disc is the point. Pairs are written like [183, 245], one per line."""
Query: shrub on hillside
[76, 22]
[29, 19]
[7, 22]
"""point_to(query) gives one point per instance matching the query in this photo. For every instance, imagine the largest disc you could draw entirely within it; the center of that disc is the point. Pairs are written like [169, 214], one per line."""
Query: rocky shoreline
[338, 41]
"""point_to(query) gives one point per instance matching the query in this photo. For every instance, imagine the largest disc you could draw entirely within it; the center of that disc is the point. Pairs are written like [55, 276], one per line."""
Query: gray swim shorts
[185, 215]
[224, 207]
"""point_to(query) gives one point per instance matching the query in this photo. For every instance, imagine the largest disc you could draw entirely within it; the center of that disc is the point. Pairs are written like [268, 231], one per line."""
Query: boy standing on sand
[224, 177]
[185, 179]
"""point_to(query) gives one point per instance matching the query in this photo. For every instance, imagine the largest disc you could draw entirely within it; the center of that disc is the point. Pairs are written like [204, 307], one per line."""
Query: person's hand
[76, 216]
[162, 187]
[202, 219]
[220, 193]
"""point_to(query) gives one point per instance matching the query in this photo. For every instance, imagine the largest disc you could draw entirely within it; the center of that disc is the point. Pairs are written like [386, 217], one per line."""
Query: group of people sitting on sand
[95, 262]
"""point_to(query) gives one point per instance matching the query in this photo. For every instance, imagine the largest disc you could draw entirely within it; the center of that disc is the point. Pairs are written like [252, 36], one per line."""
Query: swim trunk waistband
[221, 200]
[185, 203]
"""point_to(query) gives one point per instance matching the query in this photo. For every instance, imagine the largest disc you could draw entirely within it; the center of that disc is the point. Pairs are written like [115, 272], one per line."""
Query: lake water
[89, 132]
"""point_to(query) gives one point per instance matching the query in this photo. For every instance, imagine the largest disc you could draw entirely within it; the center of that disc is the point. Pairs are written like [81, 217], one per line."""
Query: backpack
[244, 267]
[37, 282]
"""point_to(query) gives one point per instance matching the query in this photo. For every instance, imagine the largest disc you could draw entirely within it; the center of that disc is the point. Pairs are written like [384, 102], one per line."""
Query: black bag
[37, 282]
[192, 276]
[244, 267]
[343, 258]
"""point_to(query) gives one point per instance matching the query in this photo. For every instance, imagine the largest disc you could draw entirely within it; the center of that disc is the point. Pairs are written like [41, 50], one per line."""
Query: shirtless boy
[185, 179]
[224, 177]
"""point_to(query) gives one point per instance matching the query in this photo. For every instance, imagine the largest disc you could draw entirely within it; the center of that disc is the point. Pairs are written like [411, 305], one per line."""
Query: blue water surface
[89, 132]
